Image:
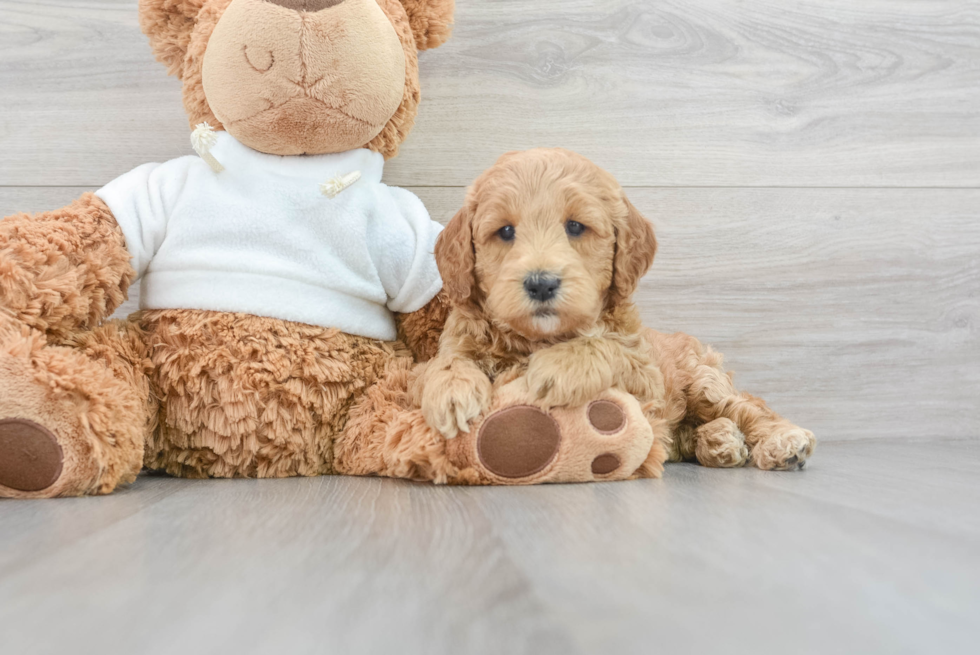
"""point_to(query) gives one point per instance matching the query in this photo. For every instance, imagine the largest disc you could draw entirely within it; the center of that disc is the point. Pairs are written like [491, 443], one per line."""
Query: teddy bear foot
[63, 428]
[521, 443]
[34, 461]
[30, 457]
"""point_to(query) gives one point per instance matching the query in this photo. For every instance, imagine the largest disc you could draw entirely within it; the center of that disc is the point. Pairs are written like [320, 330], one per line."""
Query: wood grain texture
[874, 549]
[854, 312]
[674, 93]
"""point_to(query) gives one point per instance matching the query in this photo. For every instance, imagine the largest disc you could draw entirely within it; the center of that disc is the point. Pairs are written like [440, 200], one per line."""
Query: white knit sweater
[261, 238]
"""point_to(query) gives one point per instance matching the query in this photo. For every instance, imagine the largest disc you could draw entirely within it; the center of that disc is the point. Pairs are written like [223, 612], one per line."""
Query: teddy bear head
[290, 77]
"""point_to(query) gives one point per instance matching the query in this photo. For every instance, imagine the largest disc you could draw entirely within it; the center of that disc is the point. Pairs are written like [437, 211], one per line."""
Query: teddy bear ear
[169, 25]
[431, 21]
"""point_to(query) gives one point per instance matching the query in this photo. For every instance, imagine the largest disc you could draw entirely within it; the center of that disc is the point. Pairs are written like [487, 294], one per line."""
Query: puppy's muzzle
[541, 287]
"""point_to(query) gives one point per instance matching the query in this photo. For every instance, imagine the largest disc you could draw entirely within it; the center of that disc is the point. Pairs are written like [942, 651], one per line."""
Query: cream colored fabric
[288, 82]
[260, 237]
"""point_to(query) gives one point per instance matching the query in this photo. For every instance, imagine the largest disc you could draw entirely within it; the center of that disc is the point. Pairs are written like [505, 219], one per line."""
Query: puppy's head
[545, 242]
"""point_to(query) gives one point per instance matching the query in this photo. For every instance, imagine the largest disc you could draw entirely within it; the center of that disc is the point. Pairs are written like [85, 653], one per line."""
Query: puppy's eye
[574, 228]
[507, 233]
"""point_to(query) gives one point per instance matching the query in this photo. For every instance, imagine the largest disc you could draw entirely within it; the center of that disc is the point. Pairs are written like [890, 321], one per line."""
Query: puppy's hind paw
[786, 449]
[720, 444]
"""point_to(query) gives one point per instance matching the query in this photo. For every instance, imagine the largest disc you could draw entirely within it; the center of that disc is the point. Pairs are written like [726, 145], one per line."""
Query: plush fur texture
[421, 330]
[92, 393]
[248, 396]
[588, 337]
[431, 21]
[63, 270]
[189, 392]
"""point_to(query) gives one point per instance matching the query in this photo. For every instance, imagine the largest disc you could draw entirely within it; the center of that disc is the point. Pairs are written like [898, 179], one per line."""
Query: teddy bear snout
[291, 82]
[306, 5]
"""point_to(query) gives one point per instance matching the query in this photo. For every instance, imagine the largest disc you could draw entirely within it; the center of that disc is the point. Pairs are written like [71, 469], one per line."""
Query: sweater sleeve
[412, 275]
[141, 201]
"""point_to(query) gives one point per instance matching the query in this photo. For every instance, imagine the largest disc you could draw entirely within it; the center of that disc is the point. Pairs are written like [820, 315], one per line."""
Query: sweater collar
[236, 157]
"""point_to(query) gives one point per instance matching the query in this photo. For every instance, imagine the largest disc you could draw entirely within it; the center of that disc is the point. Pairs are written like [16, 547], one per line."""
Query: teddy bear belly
[249, 396]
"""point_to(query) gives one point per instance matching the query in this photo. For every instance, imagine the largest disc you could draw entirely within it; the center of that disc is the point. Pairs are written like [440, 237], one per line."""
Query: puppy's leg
[716, 444]
[575, 371]
[452, 392]
[569, 373]
[774, 443]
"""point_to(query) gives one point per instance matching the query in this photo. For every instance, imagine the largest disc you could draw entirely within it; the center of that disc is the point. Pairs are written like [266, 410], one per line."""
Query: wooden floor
[812, 168]
[874, 549]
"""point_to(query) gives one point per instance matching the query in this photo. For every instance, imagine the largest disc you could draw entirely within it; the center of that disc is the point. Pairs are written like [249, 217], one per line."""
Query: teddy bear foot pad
[518, 441]
[30, 457]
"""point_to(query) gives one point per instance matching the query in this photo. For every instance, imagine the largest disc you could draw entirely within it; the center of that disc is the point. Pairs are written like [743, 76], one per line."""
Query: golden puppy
[540, 265]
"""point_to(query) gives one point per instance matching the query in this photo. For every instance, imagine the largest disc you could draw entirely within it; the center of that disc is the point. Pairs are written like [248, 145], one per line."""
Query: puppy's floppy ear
[169, 25]
[455, 256]
[636, 246]
[431, 21]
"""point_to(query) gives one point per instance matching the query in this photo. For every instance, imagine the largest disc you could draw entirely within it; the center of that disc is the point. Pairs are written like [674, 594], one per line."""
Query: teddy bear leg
[516, 442]
[73, 417]
[387, 435]
[521, 442]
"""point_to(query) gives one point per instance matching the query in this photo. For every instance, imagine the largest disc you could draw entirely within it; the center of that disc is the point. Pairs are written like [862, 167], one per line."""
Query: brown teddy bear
[276, 288]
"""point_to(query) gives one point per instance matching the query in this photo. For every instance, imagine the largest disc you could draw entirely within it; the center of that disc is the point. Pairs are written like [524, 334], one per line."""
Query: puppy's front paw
[453, 396]
[561, 376]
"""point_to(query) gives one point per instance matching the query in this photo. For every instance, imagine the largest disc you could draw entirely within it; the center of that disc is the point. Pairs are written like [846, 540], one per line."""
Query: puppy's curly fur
[523, 219]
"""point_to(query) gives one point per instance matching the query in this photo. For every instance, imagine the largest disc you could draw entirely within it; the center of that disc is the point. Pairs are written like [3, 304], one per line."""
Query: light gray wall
[812, 168]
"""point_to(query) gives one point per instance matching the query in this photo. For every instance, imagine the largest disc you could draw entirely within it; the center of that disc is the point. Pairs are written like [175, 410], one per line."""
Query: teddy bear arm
[63, 270]
[420, 330]
[431, 21]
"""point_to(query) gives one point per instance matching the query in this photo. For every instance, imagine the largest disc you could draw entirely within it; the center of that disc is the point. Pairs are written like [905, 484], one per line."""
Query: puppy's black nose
[541, 287]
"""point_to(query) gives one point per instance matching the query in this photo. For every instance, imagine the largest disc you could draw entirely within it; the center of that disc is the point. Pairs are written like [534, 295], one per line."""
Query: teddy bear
[279, 277]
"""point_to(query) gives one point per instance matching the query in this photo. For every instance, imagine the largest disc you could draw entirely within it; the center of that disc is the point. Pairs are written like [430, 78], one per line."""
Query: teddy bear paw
[520, 443]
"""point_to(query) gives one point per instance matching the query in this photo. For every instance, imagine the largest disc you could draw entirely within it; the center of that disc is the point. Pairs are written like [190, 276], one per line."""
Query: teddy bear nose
[305, 5]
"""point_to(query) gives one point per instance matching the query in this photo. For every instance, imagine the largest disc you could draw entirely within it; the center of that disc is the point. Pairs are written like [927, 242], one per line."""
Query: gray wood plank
[735, 561]
[855, 312]
[738, 564]
[336, 564]
[698, 93]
